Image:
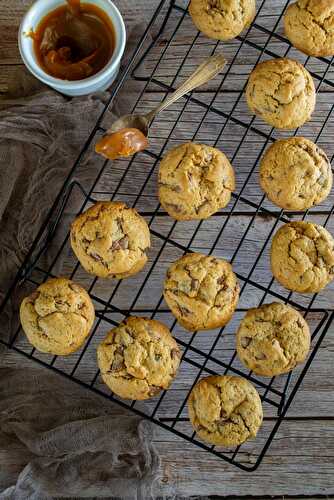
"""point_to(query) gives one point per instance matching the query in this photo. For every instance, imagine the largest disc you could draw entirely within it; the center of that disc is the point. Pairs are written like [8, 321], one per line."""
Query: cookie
[110, 240]
[201, 291]
[222, 19]
[282, 93]
[57, 317]
[295, 174]
[225, 410]
[272, 339]
[138, 358]
[309, 26]
[195, 181]
[302, 257]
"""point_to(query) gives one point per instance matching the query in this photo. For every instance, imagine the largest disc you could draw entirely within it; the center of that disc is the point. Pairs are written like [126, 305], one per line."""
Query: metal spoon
[205, 72]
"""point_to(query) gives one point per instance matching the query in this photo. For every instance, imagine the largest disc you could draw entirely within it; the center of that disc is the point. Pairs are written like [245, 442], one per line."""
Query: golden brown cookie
[138, 358]
[272, 339]
[281, 92]
[222, 19]
[201, 291]
[110, 240]
[225, 410]
[309, 25]
[302, 257]
[195, 181]
[295, 174]
[57, 317]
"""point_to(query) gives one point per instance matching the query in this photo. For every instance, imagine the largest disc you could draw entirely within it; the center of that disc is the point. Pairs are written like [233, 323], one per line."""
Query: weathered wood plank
[299, 463]
[287, 469]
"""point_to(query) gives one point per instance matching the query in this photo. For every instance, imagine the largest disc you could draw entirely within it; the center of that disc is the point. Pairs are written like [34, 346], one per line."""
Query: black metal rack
[218, 117]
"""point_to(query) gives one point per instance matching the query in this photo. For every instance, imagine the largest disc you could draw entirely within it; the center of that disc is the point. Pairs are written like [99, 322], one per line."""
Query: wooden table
[301, 458]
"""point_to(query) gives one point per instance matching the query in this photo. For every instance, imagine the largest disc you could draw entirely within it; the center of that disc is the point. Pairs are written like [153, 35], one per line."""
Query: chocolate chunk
[208, 157]
[194, 284]
[117, 365]
[223, 414]
[245, 341]
[119, 223]
[223, 421]
[183, 310]
[154, 390]
[175, 353]
[197, 209]
[123, 244]
[153, 334]
[34, 296]
[129, 332]
[157, 357]
[199, 427]
[222, 281]
[96, 257]
[174, 207]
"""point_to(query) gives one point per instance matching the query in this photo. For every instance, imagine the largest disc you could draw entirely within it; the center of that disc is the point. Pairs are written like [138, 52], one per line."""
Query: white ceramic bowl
[98, 82]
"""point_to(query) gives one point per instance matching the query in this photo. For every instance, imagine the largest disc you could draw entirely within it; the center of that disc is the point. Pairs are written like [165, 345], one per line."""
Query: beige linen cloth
[70, 443]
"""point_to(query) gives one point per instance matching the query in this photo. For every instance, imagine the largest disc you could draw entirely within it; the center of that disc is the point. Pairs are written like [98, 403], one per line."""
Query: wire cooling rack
[217, 115]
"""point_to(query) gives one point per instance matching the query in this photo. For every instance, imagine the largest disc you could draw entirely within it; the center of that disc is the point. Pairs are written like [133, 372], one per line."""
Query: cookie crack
[214, 7]
[314, 20]
[120, 367]
[245, 424]
[43, 333]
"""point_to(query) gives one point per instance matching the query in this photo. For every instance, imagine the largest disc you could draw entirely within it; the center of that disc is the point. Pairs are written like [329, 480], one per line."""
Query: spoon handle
[205, 72]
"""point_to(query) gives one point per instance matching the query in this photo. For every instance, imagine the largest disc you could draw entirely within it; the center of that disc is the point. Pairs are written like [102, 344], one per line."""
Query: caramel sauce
[124, 142]
[74, 41]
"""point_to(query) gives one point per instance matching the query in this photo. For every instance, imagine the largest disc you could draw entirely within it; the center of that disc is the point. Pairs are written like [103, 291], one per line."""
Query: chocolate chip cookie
[302, 257]
[57, 317]
[222, 19]
[195, 181]
[110, 240]
[201, 291]
[282, 93]
[225, 410]
[272, 339]
[139, 358]
[295, 174]
[309, 25]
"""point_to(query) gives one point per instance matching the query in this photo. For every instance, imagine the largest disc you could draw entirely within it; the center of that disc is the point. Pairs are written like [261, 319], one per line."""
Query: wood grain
[301, 458]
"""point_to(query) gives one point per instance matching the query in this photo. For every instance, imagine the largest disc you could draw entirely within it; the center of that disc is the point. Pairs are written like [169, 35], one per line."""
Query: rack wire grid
[216, 114]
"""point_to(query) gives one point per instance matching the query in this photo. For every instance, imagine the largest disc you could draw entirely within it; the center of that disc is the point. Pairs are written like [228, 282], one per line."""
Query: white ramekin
[98, 82]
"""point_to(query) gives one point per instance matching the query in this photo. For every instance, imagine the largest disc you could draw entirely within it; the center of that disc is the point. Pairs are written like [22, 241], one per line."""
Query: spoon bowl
[140, 122]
